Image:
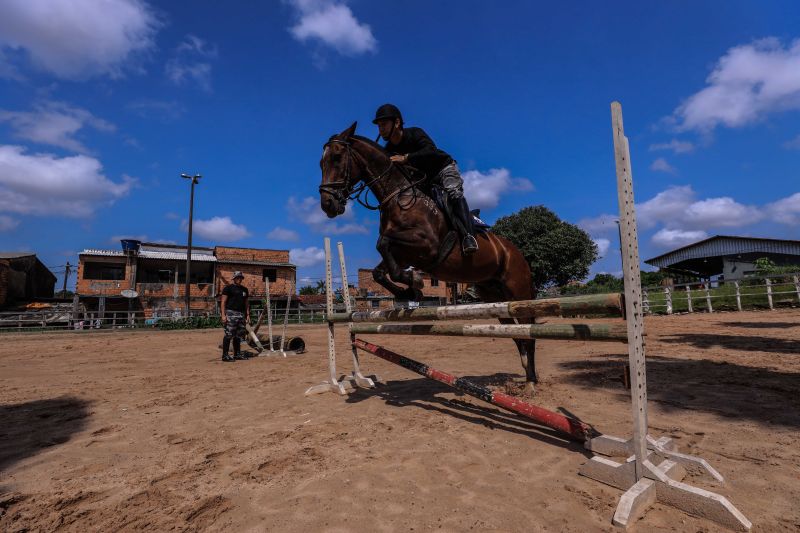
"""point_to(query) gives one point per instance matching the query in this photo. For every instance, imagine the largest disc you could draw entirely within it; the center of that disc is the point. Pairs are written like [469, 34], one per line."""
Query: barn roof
[720, 246]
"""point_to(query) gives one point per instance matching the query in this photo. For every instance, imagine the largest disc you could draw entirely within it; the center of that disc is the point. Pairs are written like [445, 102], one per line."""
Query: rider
[413, 146]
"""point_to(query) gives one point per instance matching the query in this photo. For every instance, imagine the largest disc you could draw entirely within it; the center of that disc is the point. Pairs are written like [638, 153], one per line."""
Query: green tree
[558, 252]
[308, 289]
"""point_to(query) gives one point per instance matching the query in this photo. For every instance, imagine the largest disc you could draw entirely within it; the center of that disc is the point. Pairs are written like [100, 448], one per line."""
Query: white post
[689, 299]
[738, 296]
[796, 286]
[333, 384]
[286, 321]
[769, 293]
[360, 379]
[708, 298]
[633, 298]
[668, 298]
[268, 310]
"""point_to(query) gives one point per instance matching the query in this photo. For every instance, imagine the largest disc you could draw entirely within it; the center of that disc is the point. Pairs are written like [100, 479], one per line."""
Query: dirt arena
[149, 430]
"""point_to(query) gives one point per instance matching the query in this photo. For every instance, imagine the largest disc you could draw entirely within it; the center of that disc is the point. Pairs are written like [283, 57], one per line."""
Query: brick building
[157, 272]
[371, 295]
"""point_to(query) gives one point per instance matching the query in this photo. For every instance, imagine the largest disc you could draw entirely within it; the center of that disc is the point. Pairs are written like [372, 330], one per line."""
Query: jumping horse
[414, 232]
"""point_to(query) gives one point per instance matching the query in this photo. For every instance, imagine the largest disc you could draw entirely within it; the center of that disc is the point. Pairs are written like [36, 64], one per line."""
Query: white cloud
[601, 224]
[602, 246]
[283, 234]
[675, 238]
[483, 190]
[667, 206]
[677, 208]
[747, 83]
[792, 144]
[114, 239]
[220, 229]
[7, 223]
[661, 165]
[54, 124]
[190, 63]
[75, 39]
[305, 257]
[679, 147]
[333, 24]
[169, 215]
[43, 184]
[786, 210]
[721, 212]
[309, 212]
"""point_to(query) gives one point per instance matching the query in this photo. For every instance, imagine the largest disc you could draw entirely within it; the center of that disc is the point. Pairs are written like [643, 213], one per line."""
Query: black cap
[387, 112]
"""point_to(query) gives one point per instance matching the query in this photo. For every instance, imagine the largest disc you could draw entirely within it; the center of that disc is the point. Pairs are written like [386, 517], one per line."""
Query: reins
[339, 188]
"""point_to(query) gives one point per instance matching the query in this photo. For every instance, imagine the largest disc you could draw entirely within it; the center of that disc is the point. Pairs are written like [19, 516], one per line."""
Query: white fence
[757, 292]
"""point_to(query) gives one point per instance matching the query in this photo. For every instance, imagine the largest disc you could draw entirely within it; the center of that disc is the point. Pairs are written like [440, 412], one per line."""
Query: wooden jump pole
[591, 304]
[570, 427]
[579, 332]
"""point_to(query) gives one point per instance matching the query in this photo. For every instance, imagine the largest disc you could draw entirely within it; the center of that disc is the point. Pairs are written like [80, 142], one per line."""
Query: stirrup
[469, 245]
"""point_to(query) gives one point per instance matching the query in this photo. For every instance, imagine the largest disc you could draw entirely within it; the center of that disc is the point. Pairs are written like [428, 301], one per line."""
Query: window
[434, 282]
[271, 274]
[104, 271]
[375, 304]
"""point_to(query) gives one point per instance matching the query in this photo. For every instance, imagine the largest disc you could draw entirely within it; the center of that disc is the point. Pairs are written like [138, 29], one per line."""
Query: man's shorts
[452, 182]
[235, 325]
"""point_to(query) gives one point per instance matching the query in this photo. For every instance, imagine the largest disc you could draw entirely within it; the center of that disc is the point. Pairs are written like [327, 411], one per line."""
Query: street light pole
[195, 180]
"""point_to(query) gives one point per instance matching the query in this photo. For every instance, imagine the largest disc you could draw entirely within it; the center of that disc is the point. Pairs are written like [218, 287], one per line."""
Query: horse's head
[340, 172]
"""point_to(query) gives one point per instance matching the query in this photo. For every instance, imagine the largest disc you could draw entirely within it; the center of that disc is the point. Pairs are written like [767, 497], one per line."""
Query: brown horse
[414, 232]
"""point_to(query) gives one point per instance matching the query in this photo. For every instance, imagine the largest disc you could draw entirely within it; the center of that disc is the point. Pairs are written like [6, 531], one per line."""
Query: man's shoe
[239, 357]
[469, 245]
[227, 359]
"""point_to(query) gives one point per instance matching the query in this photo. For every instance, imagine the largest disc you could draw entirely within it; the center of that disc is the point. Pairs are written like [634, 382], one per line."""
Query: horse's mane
[371, 143]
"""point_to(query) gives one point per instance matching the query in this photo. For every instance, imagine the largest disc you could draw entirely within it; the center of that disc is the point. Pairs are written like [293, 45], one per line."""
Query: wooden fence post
[769, 292]
[668, 298]
[708, 298]
[689, 299]
[645, 302]
[738, 296]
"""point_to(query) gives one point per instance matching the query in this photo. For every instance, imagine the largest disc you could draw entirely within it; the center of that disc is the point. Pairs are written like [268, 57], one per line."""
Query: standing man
[235, 307]
[413, 146]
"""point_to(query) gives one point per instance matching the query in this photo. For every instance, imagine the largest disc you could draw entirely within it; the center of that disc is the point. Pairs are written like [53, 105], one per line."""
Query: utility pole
[195, 180]
[66, 276]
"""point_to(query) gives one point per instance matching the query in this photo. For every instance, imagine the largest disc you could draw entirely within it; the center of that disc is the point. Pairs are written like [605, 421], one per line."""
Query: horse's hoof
[529, 390]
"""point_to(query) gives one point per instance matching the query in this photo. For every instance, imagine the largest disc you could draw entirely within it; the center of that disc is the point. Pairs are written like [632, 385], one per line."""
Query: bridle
[343, 190]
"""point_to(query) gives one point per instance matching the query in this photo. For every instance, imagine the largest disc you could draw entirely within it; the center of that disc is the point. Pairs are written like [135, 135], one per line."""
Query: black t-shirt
[422, 152]
[237, 296]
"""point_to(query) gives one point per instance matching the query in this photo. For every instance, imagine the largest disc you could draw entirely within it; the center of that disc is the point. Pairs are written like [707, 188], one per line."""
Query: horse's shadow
[29, 427]
[422, 393]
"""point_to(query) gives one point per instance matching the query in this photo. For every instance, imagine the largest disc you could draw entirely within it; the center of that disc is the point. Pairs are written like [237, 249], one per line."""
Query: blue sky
[103, 105]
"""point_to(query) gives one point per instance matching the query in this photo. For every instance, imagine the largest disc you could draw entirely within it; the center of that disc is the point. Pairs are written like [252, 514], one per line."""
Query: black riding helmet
[387, 112]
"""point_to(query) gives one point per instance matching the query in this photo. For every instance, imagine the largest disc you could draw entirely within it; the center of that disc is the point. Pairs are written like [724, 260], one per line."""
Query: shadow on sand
[740, 343]
[760, 325]
[726, 389]
[422, 393]
[27, 428]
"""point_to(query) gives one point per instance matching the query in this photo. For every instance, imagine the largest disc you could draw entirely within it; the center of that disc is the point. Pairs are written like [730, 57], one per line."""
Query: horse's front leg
[390, 266]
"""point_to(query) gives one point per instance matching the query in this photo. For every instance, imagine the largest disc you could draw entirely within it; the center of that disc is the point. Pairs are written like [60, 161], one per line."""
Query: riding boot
[461, 211]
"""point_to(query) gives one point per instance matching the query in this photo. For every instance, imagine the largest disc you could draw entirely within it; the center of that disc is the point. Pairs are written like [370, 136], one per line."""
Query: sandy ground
[149, 430]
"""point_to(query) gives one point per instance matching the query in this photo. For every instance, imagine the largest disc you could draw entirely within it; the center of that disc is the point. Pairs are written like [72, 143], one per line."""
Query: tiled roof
[15, 255]
[112, 253]
[149, 254]
[180, 256]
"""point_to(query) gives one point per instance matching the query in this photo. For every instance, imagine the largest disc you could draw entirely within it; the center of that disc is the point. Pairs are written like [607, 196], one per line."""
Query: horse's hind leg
[498, 292]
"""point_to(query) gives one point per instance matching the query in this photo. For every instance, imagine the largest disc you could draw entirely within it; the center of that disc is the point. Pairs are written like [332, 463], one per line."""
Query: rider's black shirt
[421, 150]
[237, 297]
